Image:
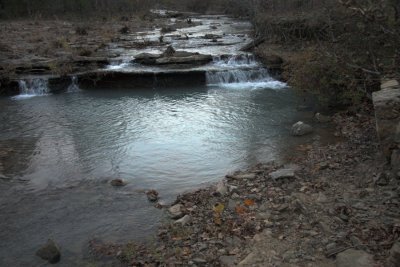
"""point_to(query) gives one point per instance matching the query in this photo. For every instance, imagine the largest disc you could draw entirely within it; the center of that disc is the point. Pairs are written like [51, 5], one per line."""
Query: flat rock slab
[282, 173]
[354, 258]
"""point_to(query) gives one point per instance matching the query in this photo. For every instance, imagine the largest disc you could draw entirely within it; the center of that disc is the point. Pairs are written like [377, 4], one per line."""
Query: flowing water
[58, 153]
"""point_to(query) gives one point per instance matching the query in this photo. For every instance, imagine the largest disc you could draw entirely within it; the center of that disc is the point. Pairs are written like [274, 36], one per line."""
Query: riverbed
[58, 152]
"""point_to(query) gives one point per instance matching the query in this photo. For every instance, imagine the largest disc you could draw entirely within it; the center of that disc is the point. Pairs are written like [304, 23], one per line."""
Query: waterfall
[240, 71]
[74, 86]
[33, 87]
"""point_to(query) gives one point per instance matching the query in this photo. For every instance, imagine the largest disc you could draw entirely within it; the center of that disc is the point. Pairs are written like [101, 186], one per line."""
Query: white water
[241, 72]
[32, 87]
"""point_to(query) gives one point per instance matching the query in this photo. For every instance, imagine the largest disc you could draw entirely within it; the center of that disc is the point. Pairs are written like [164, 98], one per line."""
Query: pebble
[117, 182]
[176, 211]
[152, 195]
[282, 173]
[184, 220]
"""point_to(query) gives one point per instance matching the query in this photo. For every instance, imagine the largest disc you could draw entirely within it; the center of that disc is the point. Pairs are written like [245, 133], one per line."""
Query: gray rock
[152, 195]
[117, 182]
[322, 118]
[282, 173]
[184, 220]
[222, 189]
[394, 258]
[195, 59]
[244, 176]
[176, 211]
[49, 252]
[300, 128]
[227, 261]
[354, 258]
[395, 160]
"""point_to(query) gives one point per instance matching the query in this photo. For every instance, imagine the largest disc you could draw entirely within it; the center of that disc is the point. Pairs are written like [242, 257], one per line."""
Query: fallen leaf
[249, 202]
[240, 209]
[218, 208]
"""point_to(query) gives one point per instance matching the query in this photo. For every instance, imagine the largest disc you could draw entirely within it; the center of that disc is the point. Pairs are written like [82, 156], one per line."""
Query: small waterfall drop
[74, 86]
[33, 87]
[239, 72]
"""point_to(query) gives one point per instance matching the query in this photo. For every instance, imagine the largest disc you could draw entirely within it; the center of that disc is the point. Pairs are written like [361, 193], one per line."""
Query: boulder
[176, 211]
[300, 128]
[354, 258]
[49, 252]
[394, 258]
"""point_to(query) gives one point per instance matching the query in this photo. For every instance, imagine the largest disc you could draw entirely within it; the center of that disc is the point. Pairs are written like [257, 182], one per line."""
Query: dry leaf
[218, 208]
[249, 202]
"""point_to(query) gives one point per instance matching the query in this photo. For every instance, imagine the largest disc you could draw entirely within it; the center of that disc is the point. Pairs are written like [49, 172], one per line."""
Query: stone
[248, 260]
[282, 173]
[195, 59]
[243, 176]
[395, 160]
[146, 58]
[322, 118]
[152, 195]
[212, 36]
[387, 114]
[169, 52]
[117, 182]
[176, 211]
[389, 84]
[227, 261]
[300, 128]
[354, 258]
[394, 257]
[184, 220]
[222, 189]
[49, 252]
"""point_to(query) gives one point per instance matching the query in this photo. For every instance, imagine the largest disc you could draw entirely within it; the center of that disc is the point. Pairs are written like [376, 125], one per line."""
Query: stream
[58, 152]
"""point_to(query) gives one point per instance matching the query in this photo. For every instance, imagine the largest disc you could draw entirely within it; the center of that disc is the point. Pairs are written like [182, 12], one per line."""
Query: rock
[227, 261]
[222, 189]
[49, 252]
[176, 211]
[184, 220]
[249, 259]
[282, 173]
[322, 118]
[194, 59]
[152, 195]
[212, 36]
[383, 179]
[146, 58]
[394, 258]
[354, 258]
[169, 52]
[167, 29]
[117, 182]
[395, 160]
[300, 128]
[243, 176]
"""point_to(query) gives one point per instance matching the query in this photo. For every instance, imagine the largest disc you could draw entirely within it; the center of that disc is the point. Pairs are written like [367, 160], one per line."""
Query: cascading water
[74, 86]
[241, 71]
[33, 87]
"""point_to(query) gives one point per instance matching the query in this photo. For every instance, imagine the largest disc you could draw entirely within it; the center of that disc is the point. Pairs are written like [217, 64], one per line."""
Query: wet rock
[49, 252]
[322, 118]
[282, 173]
[227, 261]
[167, 29]
[212, 36]
[169, 52]
[354, 258]
[222, 189]
[394, 258]
[176, 211]
[300, 128]
[146, 58]
[117, 182]
[194, 59]
[152, 195]
[184, 220]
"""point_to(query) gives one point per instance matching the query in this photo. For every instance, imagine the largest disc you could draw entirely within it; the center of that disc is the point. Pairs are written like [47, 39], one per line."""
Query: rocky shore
[328, 205]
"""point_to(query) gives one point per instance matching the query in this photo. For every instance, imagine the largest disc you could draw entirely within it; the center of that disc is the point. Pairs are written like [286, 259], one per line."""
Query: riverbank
[330, 201]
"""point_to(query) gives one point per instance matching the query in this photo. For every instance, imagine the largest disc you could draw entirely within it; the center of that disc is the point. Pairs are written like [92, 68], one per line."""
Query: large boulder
[354, 258]
[300, 128]
[49, 252]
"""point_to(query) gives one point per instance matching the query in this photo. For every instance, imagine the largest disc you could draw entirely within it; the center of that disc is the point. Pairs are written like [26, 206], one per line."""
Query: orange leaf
[249, 202]
[240, 209]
